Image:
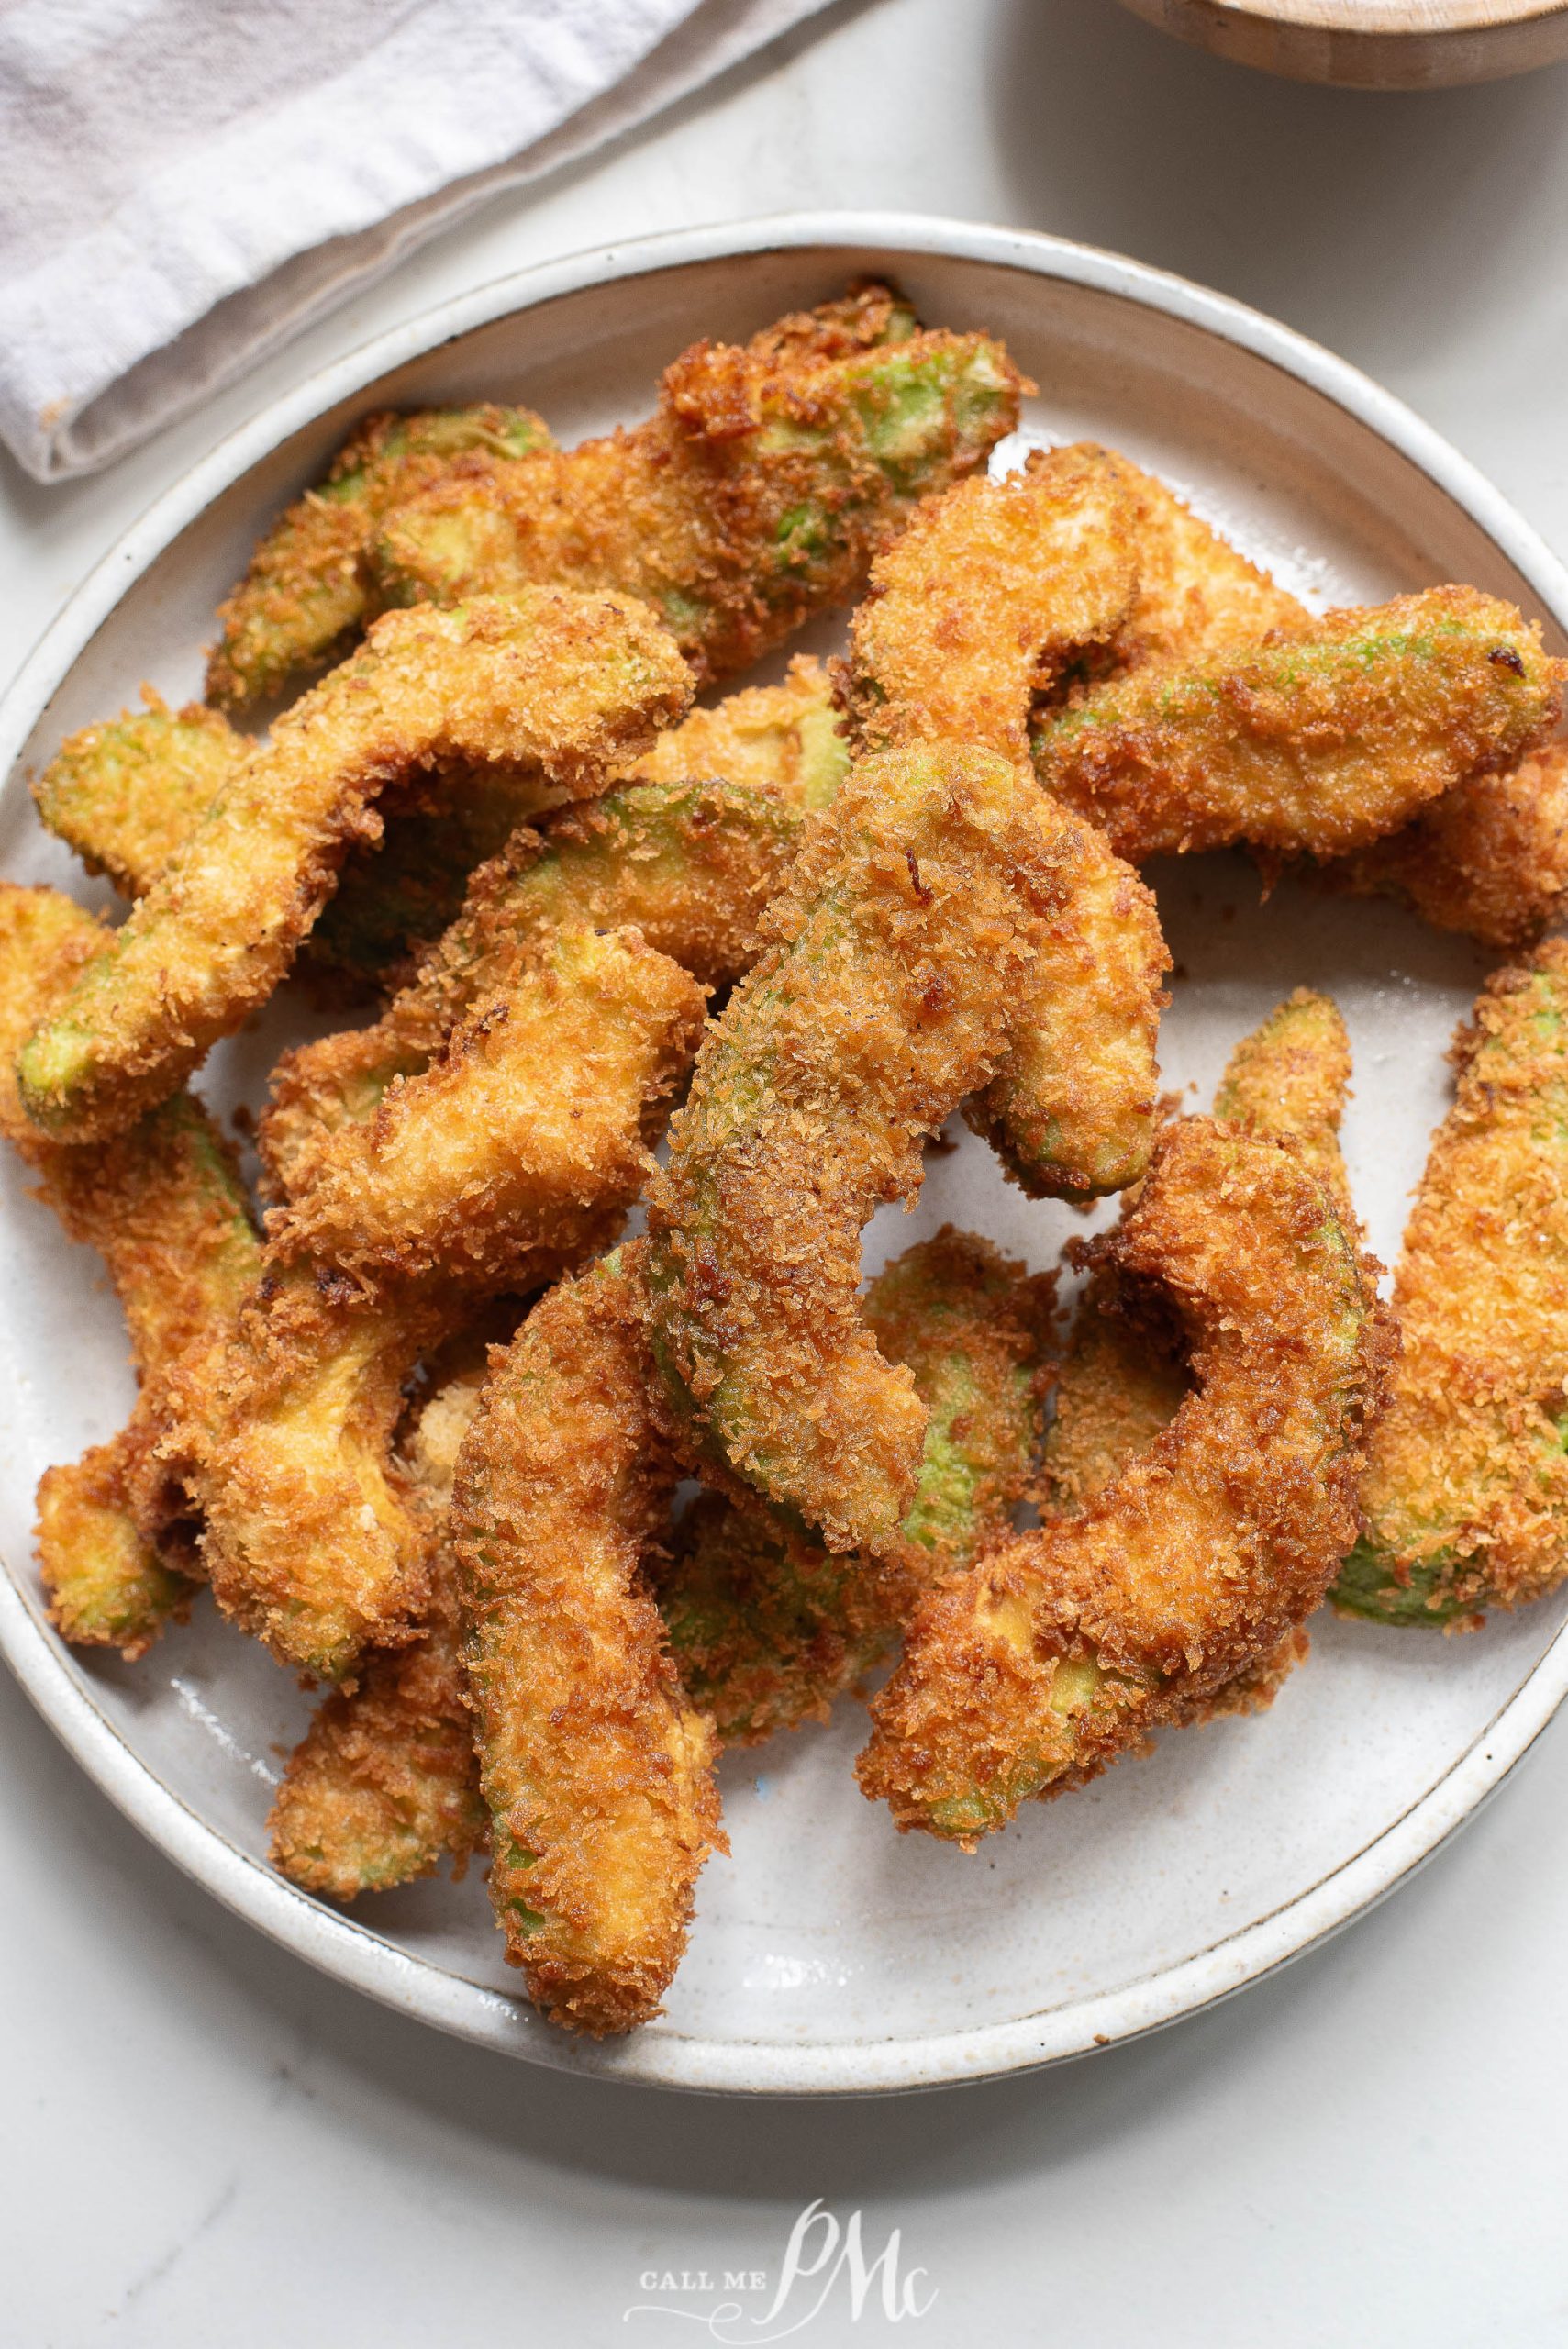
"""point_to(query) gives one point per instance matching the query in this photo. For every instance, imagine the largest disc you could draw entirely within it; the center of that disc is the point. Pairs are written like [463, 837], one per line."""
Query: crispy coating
[690, 866]
[534, 1121]
[1489, 858]
[1289, 1080]
[1466, 1490]
[597, 1769]
[1064, 1648]
[992, 589]
[783, 740]
[1124, 1374]
[566, 686]
[306, 594]
[755, 497]
[1315, 745]
[896, 953]
[1124, 1377]
[767, 1628]
[385, 1784]
[164, 1206]
[1194, 591]
[314, 1538]
[310, 588]
[128, 795]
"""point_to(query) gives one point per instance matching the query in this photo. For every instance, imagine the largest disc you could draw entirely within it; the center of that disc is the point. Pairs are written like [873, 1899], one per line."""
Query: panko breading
[1124, 1375]
[896, 956]
[690, 866]
[565, 685]
[783, 740]
[537, 1117]
[127, 794]
[986, 596]
[1313, 746]
[164, 1205]
[992, 589]
[1466, 1488]
[385, 1785]
[310, 588]
[1489, 858]
[1064, 1648]
[597, 1769]
[313, 1535]
[1194, 591]
[767, 1628]
[306, 594]
[755, 497]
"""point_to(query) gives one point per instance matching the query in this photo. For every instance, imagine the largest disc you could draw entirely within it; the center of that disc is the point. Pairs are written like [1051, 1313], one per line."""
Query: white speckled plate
[831, 1955]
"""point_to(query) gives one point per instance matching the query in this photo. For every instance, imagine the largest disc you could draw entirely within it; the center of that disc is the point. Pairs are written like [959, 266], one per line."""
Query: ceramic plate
[829, 1954]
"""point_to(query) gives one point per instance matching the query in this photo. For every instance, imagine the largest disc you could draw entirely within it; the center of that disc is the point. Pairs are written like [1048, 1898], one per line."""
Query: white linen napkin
[185, 182]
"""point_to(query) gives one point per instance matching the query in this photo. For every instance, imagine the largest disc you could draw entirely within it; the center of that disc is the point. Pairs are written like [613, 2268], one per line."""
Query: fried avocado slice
[537, 1113]
[164, 1206]
[690, 866]
[690, 861]
[756, 497]
[385, 1784]
[304, 595]
[990, 592]
[1313, 746]
[894, 957]
[1124, 1374]
[766, 1628]
[783, 741]
[313, 1536]
[1195, 592]
[128, 795]
[1064, 1649]
[566, 686]
[309, 589]
[1466, 1488]
[987, 596]
[1489, 858]
[597, 1769]
[1124, 1377]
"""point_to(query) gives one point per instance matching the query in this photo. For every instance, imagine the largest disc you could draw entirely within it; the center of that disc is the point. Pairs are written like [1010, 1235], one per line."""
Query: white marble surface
[206, 2143]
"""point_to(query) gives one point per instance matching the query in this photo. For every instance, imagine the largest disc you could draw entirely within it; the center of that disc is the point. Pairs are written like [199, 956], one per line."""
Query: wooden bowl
[1371, 44]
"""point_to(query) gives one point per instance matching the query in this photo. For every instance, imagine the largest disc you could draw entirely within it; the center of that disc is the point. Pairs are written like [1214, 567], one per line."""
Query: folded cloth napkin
[185, 182]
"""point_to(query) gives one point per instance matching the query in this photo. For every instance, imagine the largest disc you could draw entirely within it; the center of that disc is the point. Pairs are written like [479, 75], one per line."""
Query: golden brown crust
[1066, 1647]
[314, 1538]
[991, 591]
[1314, 745]
[1489, 858]
[768, 1628]
[755, 497]
[596, 1770]
[568, 686]
[385, 1784]
[532, 1125]
[883, 1000]
[1466, 1492]
[164, 1206]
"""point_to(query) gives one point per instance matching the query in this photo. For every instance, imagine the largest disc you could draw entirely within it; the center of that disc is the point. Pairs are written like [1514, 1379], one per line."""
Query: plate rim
[353, 1951]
